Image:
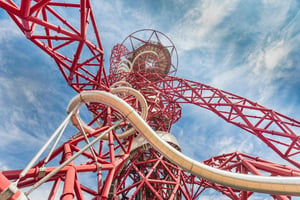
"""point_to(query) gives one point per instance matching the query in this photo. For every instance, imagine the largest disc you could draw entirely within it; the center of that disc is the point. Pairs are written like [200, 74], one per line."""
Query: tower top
[147, 51]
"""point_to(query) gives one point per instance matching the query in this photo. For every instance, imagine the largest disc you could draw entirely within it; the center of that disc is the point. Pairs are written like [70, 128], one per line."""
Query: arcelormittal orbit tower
[127, 147]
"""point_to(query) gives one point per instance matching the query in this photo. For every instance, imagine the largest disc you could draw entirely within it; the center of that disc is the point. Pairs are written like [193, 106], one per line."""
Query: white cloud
[118, 20]
[3, 166]
[8, 30]
[27, 115]
[274, 14]
[267, 60]
[273, 55]
[12, 134]
[21, 90]
[241, 142]
[214, 195]
[197, 27]
[267, 64]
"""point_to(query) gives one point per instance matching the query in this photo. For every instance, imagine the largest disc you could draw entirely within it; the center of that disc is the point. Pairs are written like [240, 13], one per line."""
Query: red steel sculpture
[121, 163]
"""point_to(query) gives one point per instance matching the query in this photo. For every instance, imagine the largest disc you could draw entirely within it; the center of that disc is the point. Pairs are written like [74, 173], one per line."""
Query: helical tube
[90, 98]
[271, 185]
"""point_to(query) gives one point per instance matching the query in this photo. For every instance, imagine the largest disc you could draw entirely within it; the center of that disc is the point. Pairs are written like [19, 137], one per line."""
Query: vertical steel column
[68, 192]
[25, 11]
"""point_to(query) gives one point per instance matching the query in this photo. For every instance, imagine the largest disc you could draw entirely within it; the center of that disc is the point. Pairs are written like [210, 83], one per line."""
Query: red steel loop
[145, 61]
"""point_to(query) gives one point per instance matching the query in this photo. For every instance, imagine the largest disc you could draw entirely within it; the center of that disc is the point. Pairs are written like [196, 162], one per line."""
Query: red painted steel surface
[143, 173]
[76, 49]
[274, 129]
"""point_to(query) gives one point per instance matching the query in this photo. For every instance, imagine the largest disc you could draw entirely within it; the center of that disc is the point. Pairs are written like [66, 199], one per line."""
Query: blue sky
[247, 47]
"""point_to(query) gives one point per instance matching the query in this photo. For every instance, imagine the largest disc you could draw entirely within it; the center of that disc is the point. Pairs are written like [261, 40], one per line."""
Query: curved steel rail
[126, 90]
[273, 185]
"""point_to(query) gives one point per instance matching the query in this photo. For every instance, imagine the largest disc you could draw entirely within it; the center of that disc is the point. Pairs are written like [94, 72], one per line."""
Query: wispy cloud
[118, 19]
[232, 54]
[8, 30]
[3, 166]
[245, 47]
[197, 27]
[268, 59]
[273, 55]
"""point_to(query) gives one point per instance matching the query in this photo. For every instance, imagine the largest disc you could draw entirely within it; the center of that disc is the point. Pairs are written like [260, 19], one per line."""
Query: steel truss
[67, 32]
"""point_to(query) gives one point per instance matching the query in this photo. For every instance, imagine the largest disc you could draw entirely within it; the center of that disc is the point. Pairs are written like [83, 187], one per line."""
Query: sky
[246, 47]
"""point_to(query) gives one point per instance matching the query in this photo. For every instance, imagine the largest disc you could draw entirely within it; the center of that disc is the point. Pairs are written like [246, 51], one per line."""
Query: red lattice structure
[72, 41]
[108, 158]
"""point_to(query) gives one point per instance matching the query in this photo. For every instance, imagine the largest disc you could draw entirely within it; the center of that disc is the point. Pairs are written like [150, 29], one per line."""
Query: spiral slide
[273, 185]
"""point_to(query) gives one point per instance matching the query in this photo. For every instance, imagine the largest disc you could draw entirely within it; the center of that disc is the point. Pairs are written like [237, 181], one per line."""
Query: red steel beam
[263, 123]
